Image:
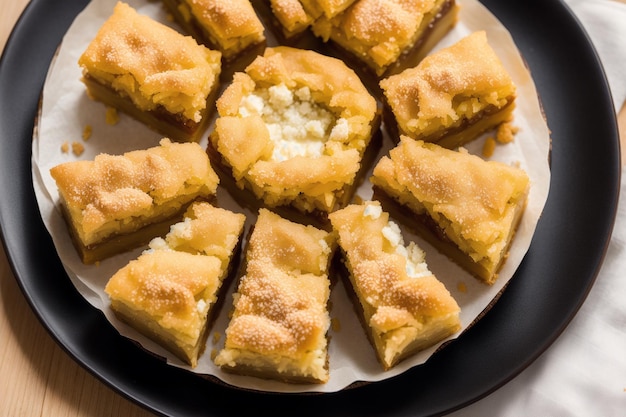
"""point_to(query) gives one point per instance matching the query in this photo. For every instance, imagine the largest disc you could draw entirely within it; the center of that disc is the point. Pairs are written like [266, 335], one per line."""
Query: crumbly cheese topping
[297, 125]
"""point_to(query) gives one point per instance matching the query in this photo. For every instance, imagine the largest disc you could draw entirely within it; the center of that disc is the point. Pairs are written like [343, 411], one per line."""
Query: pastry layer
[280, 319]
[294, 128]
[389, 33]
[113, 197]
[453, 95]
[170, 293]
[230, 27]
[404, 307]
[166, 81]
[467, 207]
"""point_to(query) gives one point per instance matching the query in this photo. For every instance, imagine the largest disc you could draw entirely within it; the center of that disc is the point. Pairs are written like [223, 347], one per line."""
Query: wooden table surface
[37, 378]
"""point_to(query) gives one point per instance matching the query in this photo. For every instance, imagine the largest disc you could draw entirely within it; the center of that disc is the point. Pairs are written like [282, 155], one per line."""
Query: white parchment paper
[66, 111]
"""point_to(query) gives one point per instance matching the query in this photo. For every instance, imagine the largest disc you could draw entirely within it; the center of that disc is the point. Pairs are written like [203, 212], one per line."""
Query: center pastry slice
[280, 319]
[293, 130]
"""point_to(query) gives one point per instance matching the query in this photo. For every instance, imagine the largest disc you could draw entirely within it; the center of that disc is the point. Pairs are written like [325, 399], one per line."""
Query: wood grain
[37, 378]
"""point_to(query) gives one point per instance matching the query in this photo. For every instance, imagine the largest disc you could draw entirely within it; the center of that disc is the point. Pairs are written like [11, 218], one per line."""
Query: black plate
[545, 293]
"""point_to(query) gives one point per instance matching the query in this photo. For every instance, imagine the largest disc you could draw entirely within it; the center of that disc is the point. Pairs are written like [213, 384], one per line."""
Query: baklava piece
[153, 73]
[452, 96]
[404, 308]
[295, 16]
[280, 319]
[230, 27]
[465, 206]
[293, 130]
[119, 202]
[170, 293]
[388, 35]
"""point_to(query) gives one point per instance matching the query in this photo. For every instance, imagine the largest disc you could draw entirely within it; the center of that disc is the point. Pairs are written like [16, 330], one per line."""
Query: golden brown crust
[230, 27]
[451, 90]
[311, 120]
[291, 16]
[170, 292]
[280, 319]
[170, 71]
[383, 32]
[405, 308]
[475, 203]
[121, 194]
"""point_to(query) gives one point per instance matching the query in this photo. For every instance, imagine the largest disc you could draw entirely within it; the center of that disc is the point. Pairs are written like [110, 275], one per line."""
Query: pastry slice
[153, 73]
[465, 206]
[404, 307]
[293, 130]
[229, 27]
[115, 203]
[452, 96]
[280, 320]
[295, 16]
[170, 292]
[289, 17]
[387, 35]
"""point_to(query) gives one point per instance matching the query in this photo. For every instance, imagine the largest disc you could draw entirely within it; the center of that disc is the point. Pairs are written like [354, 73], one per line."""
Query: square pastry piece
[152, 73]
[170, 292]
[280, 320]
[295, 16]
[404, 307]
[452, 96]
[119, 202]
[228, 26]
[294, 129]
[387, 35]
[465, 206]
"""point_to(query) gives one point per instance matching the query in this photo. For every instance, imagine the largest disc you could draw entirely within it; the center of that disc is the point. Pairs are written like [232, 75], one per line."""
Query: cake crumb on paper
[111, 116]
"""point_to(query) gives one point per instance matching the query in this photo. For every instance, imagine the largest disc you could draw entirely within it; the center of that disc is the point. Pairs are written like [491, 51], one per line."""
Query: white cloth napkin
[584, 372]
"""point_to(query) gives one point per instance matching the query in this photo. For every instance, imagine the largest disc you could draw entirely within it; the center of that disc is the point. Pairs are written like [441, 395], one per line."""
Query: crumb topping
[297, 126]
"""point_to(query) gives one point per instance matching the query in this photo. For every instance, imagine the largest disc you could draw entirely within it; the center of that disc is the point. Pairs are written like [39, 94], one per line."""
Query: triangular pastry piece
[280, 319]
[170, 293]
[404, 307]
